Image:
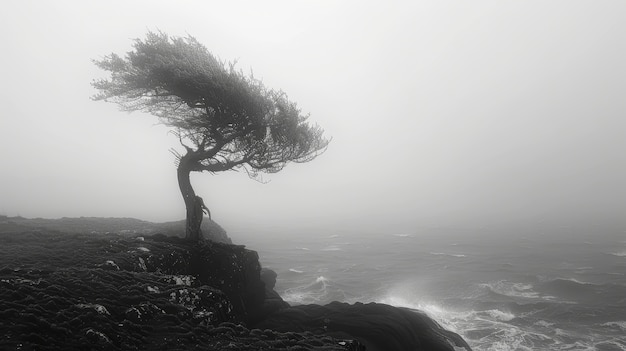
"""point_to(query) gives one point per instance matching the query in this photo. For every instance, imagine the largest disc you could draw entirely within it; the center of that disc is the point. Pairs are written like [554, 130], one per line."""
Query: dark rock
[377, 326]
[109, 265]
[118, 292]
[210, 230]
[273, 301]
[268, 277]
[234, 270]
[97, 337]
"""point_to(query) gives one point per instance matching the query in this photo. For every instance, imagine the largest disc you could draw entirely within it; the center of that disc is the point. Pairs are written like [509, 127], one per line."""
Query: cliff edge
[119, 292]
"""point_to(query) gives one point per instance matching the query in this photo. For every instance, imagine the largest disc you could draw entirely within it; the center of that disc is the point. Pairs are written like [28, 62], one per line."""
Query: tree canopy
[224, 119]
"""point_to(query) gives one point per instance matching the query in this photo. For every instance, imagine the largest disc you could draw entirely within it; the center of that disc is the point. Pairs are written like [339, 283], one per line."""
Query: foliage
[224, 119]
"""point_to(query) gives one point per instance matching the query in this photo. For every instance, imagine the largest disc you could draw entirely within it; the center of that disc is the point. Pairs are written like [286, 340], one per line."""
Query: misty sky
[441, 112]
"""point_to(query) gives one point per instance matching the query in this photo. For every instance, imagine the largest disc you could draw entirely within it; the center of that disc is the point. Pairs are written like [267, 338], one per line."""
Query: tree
[224, 119]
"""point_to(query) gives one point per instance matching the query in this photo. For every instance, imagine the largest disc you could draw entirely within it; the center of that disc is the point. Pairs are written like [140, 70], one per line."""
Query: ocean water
[508, 291]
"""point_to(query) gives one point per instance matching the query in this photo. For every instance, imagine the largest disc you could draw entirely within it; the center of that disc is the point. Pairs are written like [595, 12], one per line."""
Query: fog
[451, 113]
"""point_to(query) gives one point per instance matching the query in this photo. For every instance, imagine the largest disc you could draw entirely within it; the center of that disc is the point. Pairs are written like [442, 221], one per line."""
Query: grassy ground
[99, 225]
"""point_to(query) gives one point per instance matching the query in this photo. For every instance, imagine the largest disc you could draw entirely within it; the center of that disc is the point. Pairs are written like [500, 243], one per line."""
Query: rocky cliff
[116, 292]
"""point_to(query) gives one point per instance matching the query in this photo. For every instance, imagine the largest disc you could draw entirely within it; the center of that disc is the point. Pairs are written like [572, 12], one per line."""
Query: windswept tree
[225, 120]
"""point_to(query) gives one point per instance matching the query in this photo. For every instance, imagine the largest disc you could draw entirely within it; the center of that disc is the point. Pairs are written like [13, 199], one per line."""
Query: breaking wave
[499, 297]
[312, 292]
[512, 289]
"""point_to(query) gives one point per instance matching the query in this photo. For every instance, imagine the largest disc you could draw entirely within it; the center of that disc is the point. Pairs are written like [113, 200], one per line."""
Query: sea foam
[309, 293]
[500, 315]
[618, 324]
[511, 289]
[448, 319]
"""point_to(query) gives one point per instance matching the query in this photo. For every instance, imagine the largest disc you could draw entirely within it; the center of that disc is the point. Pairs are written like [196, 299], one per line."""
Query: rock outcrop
[376, 326]
[116, 292]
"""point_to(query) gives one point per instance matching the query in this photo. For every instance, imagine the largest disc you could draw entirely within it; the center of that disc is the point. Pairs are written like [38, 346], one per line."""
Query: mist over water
[500, 292]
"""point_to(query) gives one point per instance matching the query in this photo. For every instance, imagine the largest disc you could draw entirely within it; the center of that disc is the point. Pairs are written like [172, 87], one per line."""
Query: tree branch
[224, 166]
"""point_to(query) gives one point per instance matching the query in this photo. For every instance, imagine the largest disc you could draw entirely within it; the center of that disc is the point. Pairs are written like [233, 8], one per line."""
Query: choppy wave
[485, 330]
[312, 292]
[447, 254]
[558, 290]
[495, 326]
[568, 283]
[583, 270]
[496, 329]
[585, 292]
[507, 300]
[545, 324]
[497, 315]
[512, 289]
[332, 248]
[444, 317]
[618, 324]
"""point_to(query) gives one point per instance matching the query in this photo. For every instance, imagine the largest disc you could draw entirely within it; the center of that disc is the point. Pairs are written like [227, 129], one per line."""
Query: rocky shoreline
[61, 291]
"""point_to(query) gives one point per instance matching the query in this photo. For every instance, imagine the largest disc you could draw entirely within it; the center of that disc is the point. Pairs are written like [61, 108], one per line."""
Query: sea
[500, 290]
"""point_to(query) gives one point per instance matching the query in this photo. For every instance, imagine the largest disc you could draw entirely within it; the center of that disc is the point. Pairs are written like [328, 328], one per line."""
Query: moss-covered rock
[115, 292]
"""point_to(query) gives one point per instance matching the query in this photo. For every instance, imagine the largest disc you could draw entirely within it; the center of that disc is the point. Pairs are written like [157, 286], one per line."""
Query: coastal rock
[84, 308]
[118, 292]
[268, 277]
[210, 230]
[377, 326]
[273, 301]
[234, 270]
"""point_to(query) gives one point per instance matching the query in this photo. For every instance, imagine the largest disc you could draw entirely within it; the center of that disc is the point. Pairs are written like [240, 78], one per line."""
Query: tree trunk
[193, 207]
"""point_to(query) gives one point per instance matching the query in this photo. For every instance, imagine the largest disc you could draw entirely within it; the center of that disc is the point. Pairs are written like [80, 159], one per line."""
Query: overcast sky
[441, 112]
